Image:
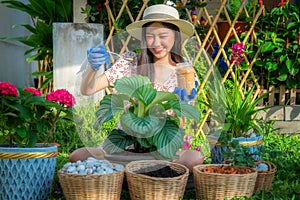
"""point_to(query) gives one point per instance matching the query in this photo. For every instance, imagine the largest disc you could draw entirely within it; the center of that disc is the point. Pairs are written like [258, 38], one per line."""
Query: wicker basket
[92, 186]
[265, 178]
[147, 187]
[220, 186]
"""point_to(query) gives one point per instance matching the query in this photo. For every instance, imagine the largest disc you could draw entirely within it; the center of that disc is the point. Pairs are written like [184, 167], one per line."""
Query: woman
[160, 32]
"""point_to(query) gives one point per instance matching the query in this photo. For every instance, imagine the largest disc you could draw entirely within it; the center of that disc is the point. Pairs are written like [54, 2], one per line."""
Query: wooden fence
[206, 42]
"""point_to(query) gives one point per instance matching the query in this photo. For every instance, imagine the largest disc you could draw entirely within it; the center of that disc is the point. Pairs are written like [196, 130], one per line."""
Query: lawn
[282, 149]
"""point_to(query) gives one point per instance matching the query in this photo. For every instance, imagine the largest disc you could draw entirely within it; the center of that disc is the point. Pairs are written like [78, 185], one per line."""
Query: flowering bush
[188, 143]
[28, 117]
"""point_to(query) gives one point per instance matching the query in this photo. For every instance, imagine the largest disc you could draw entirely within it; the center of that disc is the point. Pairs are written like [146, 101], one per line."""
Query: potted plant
[149, 119]
[241, 9]
[234, 109]
[27, 122]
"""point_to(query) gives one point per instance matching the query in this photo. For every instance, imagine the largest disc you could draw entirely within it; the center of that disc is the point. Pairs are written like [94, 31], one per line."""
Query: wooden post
[78, 17]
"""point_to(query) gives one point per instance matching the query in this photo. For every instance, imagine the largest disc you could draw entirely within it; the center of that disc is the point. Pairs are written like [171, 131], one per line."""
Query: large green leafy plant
[149, 119]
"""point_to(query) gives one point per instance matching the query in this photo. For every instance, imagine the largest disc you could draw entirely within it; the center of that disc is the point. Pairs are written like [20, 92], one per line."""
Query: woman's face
[160, 40]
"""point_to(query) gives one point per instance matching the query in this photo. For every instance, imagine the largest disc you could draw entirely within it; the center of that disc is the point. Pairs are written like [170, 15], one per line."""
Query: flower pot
[265, 178]
[27, 172]
[145, 186]
[213, 185]
[252, 142]
[223, 28]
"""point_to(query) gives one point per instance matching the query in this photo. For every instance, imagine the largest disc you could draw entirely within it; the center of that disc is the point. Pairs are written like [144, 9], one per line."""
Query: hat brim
[186, 28]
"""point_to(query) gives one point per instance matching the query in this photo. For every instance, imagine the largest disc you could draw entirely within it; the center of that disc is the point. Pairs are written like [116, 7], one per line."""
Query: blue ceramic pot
[252, 142]
[27, 173]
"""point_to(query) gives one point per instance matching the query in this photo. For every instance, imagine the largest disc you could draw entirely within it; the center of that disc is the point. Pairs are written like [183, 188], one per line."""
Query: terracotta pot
[223, 28]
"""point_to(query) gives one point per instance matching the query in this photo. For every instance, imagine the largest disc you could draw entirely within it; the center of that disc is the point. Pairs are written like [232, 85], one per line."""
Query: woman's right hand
[97, 56]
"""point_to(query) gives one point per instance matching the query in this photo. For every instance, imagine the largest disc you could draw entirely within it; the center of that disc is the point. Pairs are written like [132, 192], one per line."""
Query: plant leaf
[110, 105]
[116, 141]
[138, 87]
[168, 140]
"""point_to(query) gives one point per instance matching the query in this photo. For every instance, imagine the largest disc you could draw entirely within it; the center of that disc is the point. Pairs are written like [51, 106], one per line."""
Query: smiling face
[160, 40]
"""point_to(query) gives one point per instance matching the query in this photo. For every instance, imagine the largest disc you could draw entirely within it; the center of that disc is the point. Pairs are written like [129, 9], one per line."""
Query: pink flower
[197, 148]
[8, 89]
[238, 53]
[186, 145]
[188, 138]
[61, 96]
[35, 92]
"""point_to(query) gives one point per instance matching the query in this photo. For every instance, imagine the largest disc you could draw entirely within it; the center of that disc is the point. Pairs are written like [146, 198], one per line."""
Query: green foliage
[40, 40]
[26, 119]
[143, 118]
[240, 155]
[232, 8]
[278, 34]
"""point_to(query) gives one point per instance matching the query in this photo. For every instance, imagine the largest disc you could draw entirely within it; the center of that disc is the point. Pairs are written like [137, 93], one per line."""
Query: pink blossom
[197, 148]
[61, 96]
[188, 138]
[8, 89]
[238, 53]
[35, 92]
[186, 145]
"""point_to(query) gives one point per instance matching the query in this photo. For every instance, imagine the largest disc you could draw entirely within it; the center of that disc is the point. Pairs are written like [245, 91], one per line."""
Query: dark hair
[145, 62]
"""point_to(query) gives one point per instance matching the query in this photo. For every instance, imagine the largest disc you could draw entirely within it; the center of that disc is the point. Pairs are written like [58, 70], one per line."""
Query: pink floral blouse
[124, 67]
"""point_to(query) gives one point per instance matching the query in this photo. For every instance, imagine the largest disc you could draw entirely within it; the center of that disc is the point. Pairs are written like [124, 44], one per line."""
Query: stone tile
[274, 113]
[292, 113]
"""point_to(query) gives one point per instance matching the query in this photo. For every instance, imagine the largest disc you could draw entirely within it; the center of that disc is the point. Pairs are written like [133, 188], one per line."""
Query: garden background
[262, 69]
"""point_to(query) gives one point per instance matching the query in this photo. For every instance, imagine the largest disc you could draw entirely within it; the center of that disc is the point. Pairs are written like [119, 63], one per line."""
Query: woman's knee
[86, 152]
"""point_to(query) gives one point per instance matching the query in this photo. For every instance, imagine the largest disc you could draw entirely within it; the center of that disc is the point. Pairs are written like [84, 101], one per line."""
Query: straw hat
[161, 13]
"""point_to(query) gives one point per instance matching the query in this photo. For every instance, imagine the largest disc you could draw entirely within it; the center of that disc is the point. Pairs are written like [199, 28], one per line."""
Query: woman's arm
[91, 83]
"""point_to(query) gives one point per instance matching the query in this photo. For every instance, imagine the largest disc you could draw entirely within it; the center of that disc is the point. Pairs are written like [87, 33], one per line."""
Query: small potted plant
[149, 119]
[27, 121]
[234, 110]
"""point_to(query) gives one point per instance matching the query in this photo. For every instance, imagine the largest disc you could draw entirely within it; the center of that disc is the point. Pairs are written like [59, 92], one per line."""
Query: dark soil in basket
[159, 171]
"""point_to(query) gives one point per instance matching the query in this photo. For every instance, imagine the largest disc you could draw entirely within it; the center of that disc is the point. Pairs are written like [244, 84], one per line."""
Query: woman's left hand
[184, 96]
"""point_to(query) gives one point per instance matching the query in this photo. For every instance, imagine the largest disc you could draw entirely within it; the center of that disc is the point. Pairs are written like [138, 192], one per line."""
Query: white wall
[13, 65]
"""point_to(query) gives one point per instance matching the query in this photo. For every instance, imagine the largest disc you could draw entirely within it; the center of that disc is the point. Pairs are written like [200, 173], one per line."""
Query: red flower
[100, 6]
[35, 92]
[8, 89]
[281, 3]
[61, 96]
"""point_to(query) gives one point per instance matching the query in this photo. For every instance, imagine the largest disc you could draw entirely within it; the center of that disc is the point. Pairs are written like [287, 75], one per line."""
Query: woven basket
[147, 187]
[220, 186]
[265, 178]
[92, 186]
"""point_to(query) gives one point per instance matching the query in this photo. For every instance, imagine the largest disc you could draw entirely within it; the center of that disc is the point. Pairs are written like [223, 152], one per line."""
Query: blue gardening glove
[97, 56]
[183, 95]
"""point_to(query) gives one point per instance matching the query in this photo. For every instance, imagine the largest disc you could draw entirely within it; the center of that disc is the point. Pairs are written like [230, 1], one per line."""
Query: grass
[283, 150]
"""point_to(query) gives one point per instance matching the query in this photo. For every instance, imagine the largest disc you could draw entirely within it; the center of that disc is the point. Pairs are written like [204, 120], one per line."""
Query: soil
[159, 171]
[227, 170]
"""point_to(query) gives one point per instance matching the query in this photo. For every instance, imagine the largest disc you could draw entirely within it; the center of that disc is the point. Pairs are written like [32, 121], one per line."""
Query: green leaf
[161, 97]
[117, 141]
[293, 69]
[168, 140]
[141, 127]
[138, 87]
[271, 66]
[268, 46]
[110, 105]
[21, 132]
[183, 109]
